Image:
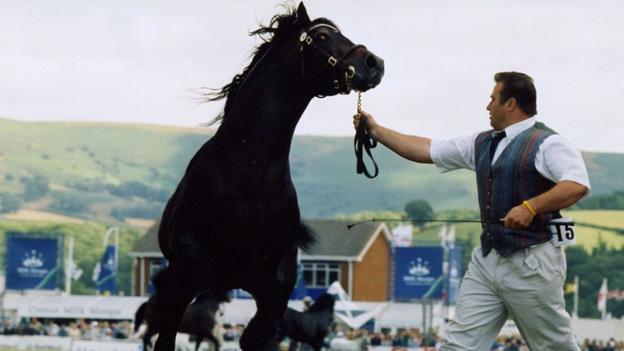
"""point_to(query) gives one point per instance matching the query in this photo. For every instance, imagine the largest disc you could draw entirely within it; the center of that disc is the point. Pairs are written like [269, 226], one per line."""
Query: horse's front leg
[271, 292]
[174, 291]
[147, 338]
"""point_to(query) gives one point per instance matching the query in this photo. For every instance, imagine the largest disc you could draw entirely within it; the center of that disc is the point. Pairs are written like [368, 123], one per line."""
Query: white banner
[74, 306]
[35, 342]
[86, 345]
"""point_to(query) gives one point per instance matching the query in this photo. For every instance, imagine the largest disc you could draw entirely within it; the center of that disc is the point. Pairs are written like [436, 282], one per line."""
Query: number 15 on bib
[562, 230]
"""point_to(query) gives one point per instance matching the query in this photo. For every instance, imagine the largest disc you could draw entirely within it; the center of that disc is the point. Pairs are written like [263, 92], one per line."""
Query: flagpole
[602, 298]
[576, 295]
[606, 291]
[116, 249]
[68, 265]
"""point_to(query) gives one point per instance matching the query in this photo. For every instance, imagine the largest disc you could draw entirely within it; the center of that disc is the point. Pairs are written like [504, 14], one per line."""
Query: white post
[576, 295]
[68, 265]
[606, 292]
[116, 249]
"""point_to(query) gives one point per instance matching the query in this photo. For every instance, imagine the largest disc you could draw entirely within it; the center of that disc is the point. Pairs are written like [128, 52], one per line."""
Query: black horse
[199, 319]
[234, 221]
[310, 326]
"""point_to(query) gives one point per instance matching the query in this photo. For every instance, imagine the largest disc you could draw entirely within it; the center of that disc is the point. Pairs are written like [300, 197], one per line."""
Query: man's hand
[518, 217]
[371, 124]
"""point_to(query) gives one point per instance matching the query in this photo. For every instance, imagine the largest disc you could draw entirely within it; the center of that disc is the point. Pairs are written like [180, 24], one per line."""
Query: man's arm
[565, 194]
[411, 147]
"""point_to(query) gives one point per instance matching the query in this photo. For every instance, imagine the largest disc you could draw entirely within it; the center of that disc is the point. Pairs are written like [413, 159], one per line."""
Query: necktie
[495, 140]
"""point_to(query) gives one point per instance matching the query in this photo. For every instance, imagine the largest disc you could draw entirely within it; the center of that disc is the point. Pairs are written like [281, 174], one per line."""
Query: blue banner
[105, 272]
[156, 265]
[240, 294]
[32, 262]
[455, 256]
[300, 291]
[418, 272]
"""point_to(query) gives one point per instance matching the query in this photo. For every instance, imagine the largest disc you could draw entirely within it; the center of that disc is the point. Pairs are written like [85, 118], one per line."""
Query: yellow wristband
[528, 206]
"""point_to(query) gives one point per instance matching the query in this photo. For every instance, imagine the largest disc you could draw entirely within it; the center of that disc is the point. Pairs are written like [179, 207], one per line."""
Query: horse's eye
[322, 36]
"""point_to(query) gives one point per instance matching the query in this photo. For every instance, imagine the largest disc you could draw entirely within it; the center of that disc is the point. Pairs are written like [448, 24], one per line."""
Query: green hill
[107, 171]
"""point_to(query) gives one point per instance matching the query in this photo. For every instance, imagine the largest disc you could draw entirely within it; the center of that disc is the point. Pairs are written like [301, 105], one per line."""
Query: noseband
[343, 71]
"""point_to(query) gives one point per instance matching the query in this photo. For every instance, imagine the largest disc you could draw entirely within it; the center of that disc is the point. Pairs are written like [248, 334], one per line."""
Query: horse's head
[325, 302]
[332, 63]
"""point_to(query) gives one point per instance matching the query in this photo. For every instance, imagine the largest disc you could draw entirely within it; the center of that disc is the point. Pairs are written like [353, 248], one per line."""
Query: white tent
[354, 314]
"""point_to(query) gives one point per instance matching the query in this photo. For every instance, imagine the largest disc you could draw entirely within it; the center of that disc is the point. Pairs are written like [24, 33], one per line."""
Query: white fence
[55, 343]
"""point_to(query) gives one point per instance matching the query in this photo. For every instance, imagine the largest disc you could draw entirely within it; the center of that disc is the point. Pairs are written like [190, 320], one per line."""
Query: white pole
[576, 295]
[68, 265]
[116, 248]
[604, 310]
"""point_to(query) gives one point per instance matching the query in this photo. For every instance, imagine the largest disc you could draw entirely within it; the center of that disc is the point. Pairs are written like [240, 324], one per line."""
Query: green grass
[605, 218]
[587, 237]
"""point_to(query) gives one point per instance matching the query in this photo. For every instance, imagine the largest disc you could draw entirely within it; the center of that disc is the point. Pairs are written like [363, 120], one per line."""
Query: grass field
[606, 218]
[587, 237]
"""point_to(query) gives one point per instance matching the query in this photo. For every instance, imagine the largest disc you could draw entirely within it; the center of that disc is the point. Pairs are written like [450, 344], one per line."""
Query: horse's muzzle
[368, 72]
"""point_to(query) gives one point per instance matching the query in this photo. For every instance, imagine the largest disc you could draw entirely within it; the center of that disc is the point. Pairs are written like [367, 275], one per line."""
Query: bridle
[362, 141]
[344, 72]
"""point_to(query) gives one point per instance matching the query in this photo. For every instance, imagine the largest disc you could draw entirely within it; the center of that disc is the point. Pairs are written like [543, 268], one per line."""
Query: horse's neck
[268, 107]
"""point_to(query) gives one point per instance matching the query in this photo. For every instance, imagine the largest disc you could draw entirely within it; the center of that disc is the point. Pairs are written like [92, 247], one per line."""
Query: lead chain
[359, 103]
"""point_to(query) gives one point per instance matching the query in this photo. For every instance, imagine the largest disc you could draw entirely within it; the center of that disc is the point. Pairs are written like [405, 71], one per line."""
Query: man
[525, 173]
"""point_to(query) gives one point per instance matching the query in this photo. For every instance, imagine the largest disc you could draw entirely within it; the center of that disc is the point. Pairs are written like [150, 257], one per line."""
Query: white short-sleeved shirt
[557, 159]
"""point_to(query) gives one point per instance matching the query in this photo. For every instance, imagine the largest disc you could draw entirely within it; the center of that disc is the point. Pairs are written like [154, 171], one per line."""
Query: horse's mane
[325, 302]
[280, 29]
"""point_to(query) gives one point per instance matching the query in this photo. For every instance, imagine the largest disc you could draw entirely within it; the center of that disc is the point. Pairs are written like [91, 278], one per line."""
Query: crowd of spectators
[601, 345]
[397, 339]
[80, 329]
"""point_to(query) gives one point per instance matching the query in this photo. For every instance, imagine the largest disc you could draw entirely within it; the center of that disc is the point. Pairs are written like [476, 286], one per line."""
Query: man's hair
[520, 87]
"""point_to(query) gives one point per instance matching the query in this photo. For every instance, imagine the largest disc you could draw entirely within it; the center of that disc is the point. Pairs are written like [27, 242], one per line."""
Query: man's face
[497, 109]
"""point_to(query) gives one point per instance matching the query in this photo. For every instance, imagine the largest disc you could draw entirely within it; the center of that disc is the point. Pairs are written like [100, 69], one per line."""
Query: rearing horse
[233, 221]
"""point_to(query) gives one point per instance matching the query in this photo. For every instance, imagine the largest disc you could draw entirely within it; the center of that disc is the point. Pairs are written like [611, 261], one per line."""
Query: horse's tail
[305, 237]
[139, 316]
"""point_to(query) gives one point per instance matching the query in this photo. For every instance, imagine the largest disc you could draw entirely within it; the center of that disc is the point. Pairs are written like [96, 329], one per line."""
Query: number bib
[562, 231]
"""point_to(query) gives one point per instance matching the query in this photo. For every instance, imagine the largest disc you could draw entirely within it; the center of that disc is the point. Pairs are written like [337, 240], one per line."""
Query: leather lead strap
[363, 141]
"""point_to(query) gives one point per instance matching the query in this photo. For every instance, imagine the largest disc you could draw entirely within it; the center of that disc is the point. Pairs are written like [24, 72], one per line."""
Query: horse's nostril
[371, 61]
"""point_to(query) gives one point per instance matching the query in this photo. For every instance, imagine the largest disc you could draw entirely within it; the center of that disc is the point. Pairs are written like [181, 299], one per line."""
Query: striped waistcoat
[505, 184]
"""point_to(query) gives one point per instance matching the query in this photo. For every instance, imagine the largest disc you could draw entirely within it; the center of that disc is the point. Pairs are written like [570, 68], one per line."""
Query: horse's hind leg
[214, 340]
[173, 294]
[198, 340]
[147, 339]
[271, 293]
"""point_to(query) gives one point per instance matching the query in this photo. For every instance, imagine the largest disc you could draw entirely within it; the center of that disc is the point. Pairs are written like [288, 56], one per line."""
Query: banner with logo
[156, 265]
[105, 271]
[36, 342]
[32, 262]
[455, 256]
[300, 291]
[418, 272]
[90, 345]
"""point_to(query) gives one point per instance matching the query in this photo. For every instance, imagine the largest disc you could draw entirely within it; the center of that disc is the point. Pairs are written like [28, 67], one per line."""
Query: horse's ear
[302, 14]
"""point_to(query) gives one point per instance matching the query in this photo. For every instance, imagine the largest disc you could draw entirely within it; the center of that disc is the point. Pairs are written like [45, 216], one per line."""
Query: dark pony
[310, 326]
[199, 319]
[234, 221]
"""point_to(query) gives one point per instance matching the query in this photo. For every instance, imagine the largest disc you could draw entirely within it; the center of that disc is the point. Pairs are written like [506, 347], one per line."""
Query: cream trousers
[527, 287]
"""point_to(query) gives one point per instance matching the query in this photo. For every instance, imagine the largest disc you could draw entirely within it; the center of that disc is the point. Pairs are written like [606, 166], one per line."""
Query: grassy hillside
[109, 172]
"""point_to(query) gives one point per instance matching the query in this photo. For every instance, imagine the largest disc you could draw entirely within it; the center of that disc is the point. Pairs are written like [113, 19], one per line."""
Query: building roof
[336, 242]
[147, 245]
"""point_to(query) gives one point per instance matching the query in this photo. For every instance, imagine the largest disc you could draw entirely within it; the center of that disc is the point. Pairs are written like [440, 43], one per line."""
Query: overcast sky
[139, 61]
